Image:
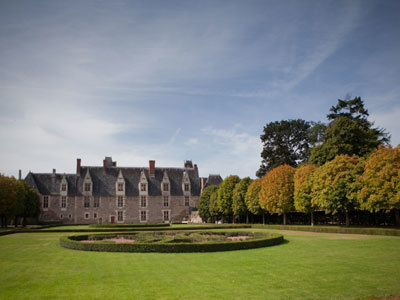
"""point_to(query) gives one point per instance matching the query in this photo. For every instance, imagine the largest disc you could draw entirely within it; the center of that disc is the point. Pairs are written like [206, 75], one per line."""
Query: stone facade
[111, 194]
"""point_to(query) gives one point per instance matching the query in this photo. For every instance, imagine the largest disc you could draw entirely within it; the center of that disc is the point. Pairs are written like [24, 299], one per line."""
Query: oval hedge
[74, 242]
[133, 226]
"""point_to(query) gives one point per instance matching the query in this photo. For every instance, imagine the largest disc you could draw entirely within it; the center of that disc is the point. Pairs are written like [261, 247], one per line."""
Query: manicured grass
[308, 266]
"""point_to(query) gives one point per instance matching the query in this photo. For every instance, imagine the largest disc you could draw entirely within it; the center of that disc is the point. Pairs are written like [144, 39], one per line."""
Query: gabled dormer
[120, 185]
[186, 183]
[143, 184]
[64, 186]
[87, 184]
[165, 184]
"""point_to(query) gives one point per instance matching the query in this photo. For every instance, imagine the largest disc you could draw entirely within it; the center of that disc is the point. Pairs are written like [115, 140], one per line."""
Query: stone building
[111, 194]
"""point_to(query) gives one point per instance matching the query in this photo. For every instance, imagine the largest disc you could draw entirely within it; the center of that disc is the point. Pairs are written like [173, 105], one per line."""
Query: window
[120, 201]
[120, 216]
[63, 187]
[143, 187]
[87, 215]
[143, 201]
[46, 202]
[86, 201]
[166, 201]
[143, 215]
[70, 216]
[88, 187]
[61, 216]
[120, 187]
[95, 215]
[186, 201]
[166, 187]
[166, 215]
[187, 187]
[96, 202]
[63, 202]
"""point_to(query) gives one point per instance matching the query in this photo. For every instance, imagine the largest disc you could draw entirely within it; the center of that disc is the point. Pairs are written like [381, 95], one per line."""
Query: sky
[184, 80]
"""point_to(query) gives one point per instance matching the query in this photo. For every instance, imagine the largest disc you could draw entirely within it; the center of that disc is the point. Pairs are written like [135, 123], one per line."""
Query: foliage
[204, 202]
[334, 185]
[277, 187]
[213, 206]
[303, 188]
[31, 202]
[8, 196]
[225, 194]
[349, 132]
[284, 142]
[73, 242]
[239, 207]
[380, 182]
[252, 199]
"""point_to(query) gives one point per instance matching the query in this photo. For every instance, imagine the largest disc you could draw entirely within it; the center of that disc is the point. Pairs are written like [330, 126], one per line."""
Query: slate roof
[213, 180]
[104, 180]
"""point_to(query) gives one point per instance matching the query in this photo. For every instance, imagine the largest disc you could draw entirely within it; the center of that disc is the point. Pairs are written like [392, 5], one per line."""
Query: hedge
[334, 229]
[73, 242]
[129, 225]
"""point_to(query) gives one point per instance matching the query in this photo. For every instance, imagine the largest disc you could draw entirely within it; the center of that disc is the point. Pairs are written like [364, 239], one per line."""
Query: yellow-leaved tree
[277, 187]
[303, 183]
[380, 182]
[334, 188]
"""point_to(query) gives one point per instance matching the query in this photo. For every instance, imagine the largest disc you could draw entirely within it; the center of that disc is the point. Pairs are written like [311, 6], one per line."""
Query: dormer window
[187, 187]
[63, 187]
[166, 187]
[142, 187]
[120, 187]
[88, 187]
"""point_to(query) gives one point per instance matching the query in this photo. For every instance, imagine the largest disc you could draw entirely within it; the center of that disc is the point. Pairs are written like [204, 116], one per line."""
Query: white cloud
[192, 141]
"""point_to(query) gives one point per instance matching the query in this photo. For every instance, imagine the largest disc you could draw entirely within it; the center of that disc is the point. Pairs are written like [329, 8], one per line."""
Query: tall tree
[349, 132]
[225, 195]
[204, 202]
[380, 181]
[252, 199]
[334, 188]
[239, 207]
[288, 142]
[277, 187]
[31, 203]
[213, 205]
[7, 198]
[303, 189]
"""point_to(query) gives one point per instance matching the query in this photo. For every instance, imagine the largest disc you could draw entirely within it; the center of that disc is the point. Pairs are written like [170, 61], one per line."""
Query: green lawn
[308, 266]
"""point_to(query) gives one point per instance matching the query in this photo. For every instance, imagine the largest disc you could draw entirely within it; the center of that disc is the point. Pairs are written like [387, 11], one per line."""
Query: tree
[349, 132]
[204, 202]
[252, 199]
[19, 204]
[239, 207]
[303, 184]
[277, 187]
[8, 198]
[225, 195]
[284, 142]
[380, 181]
[334, 188]
[213, 205]
[31, 203]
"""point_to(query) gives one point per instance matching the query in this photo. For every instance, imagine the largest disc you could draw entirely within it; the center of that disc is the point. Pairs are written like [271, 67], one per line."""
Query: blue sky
[176, 80]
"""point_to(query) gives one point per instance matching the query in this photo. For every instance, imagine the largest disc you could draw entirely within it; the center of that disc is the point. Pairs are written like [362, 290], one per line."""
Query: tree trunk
[347, 219]
[397, 217]
[247, 218]
[312, 218]
[15, 221]
[233, 219]
[263, 214]
[24, 222]
[284, 218]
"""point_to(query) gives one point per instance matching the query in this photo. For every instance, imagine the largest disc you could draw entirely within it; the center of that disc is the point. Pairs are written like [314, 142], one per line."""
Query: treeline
[17, 201]
[340, 168]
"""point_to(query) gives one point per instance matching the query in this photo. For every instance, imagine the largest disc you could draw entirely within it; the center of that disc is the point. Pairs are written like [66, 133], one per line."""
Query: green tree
[349, 132]
[31, 203]
[252, 199]
[334, 188]
[225, 195]
[213, 205]
[303, 189]
[204, 202]
[277, 188]
[7, 198]
[379, 185]
[19, 204]
[239, 207]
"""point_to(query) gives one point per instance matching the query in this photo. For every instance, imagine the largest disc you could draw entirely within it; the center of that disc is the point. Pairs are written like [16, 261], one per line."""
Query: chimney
[152, 168]
[196, 169]
[104, 164]
[202, 183]
[54, 171]
[19, 174]
[114, 163]
[78, 166]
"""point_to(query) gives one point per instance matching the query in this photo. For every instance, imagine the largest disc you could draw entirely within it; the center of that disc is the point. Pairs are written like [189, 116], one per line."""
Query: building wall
[75, 212]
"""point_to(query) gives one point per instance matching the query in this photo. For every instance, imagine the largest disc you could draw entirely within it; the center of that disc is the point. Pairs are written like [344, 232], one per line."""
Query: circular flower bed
[171, 241]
